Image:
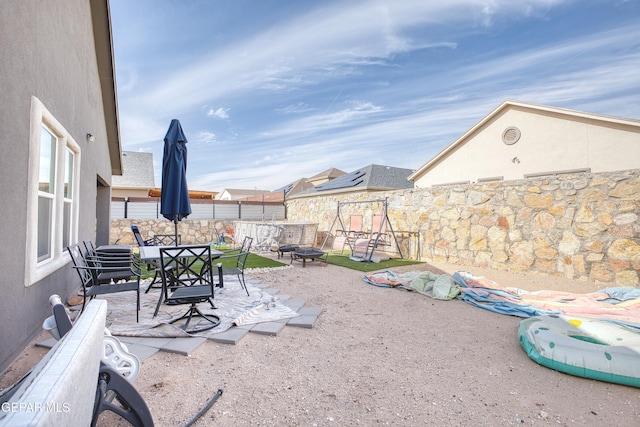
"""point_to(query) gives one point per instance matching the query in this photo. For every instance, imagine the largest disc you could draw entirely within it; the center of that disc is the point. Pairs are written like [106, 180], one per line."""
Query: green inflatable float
[583, 347]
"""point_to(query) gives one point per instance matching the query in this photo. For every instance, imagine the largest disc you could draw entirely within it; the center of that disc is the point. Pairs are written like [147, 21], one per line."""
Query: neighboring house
[328, 175]
[367, 179]
[137, 175]
[239, 194]
[305, 184]
[61, 146]
[519, 140]
[295, 187]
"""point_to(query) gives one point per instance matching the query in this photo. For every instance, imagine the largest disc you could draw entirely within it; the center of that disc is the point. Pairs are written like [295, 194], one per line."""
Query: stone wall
[265, 235]
[191, 231]
[579, 226]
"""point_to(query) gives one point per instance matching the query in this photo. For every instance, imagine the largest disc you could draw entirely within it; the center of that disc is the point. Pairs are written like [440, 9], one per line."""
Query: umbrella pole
[175, 226]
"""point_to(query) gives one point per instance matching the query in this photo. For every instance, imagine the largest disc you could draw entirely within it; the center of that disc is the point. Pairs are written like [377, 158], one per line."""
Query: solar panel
[345, 181]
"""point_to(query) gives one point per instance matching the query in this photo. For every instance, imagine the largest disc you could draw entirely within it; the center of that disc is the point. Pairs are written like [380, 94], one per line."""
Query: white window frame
[37, 270]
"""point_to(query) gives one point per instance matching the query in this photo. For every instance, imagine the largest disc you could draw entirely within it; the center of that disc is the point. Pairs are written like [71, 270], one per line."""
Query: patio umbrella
[174, 198]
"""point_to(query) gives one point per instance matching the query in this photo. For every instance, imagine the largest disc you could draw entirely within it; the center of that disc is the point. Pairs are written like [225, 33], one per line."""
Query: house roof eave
[101, 20]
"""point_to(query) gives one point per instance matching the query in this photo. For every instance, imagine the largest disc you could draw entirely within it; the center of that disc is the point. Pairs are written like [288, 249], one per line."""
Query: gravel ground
[379, 356]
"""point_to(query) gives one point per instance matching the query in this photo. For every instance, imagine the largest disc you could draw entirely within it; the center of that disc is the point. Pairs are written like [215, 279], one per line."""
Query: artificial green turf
[343, 260]
[253, 261]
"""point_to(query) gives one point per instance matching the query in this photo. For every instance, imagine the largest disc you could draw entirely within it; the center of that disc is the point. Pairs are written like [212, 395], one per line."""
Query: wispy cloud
[206, 137]
[218, 113]
[327, 38]
[297, 108]
[347, 84]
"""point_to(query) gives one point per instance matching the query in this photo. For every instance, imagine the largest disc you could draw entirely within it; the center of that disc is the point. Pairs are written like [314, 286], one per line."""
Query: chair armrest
[115, 262]
[134, 271]
[230, 256]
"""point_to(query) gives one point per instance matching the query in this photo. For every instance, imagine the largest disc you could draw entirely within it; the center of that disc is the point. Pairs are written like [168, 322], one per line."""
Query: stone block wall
[579, 226]
[191, 231]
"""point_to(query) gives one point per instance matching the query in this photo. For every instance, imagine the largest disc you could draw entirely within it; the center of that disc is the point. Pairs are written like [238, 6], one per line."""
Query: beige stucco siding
[549, 142]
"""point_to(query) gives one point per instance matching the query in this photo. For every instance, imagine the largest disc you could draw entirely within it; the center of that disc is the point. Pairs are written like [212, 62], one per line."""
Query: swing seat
[363, 244]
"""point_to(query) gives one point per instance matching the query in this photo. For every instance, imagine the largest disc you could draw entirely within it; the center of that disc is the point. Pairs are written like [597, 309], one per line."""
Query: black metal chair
[187, 278]
[95, 273]
[139, 240]
[167, 240]
[245, 247]
[90, 257]
[241, 260]
[89, 247]
[150, 265]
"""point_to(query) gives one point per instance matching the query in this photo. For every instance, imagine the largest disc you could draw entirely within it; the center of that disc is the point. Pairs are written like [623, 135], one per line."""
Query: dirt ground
[376, 356]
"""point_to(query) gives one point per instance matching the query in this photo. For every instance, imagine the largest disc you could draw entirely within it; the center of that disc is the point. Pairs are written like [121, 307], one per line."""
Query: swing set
[361, 243]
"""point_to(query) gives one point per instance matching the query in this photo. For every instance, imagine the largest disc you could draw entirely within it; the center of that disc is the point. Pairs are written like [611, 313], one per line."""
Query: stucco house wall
[551, 140]
[50, 65]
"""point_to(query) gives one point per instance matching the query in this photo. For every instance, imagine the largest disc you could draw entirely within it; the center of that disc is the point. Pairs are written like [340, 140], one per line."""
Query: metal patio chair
[94, 273]
[188, 278]
[238, 269]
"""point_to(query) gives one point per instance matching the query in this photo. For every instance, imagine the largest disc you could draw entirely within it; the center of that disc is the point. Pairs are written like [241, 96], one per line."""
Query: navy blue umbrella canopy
[174, 198]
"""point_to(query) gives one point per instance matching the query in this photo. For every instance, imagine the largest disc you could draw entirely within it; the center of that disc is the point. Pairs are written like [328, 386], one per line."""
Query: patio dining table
[152, 253]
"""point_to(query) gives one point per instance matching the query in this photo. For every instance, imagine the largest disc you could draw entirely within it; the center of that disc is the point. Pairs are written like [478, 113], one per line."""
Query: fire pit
[308, 254]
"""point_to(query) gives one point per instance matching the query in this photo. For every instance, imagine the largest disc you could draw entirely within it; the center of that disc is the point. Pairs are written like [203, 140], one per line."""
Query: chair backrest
[186, 265]
[167, 239]
[90, 249]
[242, 260]
[378, 224]
[113, 256]
[138, 236]
[355, 223]
[246, 244]
[81, 264]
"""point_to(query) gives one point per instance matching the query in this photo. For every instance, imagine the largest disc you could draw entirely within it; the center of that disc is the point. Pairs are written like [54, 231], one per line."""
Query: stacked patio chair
[117, 251]
[101, 275]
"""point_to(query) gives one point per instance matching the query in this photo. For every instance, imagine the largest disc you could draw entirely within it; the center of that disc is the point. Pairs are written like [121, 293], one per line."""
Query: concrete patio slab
[230, 336]
[149, 342]
[145, 347]
[142, 352]
[268, 328]
[310, 311]
[184, 346]
[303, 321]
[294, 304]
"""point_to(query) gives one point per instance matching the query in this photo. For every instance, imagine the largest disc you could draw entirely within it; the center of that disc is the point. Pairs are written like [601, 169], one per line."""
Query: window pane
[44, 227]
[47, 161]
[66, 224]
[68, 174]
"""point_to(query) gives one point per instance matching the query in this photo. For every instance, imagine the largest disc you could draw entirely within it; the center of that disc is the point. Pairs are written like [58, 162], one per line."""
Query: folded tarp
[618, 304]
[438, 286]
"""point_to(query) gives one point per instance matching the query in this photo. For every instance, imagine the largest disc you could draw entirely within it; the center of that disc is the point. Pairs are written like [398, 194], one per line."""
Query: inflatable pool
[583, 347]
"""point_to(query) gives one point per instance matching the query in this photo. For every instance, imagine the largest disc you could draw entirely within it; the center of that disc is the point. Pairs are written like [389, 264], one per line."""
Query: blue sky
[269, 91]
